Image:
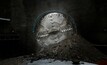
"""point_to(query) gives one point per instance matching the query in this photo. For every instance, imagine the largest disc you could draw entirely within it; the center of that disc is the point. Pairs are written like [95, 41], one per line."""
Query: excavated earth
[73, 49]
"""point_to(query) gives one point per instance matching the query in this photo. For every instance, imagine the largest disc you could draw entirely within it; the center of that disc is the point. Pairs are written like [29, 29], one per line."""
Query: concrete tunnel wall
[24, 13]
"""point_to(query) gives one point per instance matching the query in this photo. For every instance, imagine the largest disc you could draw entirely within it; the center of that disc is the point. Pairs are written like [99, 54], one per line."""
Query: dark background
[96, 33]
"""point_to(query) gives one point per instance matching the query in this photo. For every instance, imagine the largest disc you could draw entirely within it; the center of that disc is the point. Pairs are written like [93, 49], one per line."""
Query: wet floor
[57, 62]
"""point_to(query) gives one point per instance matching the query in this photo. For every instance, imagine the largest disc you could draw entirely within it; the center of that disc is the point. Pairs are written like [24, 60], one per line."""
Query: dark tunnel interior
[93, 31]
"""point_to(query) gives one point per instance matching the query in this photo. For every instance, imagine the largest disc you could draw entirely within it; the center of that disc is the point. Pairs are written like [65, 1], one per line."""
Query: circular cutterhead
[53, 28]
